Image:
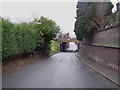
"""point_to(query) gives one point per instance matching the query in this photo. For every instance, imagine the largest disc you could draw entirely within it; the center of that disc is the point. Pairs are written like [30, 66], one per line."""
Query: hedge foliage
[26, 38]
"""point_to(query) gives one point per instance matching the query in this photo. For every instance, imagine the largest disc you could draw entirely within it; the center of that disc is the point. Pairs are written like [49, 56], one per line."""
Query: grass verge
[54, 47]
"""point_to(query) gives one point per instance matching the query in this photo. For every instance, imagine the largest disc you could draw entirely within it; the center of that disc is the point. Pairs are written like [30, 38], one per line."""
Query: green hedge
[17, 39]
[26, 38]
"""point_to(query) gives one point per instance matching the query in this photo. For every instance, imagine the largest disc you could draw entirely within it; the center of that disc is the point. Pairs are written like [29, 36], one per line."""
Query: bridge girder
[69, 40]
[63, 43]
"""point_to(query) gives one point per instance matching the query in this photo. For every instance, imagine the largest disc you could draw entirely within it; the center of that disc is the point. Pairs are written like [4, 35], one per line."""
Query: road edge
[116, 83]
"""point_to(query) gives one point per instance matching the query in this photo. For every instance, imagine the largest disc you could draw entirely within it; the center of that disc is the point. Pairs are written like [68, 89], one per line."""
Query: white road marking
[58, 60]
[73, 59]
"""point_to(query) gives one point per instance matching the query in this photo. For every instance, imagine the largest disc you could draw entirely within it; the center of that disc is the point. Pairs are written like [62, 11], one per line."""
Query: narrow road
[62, 70]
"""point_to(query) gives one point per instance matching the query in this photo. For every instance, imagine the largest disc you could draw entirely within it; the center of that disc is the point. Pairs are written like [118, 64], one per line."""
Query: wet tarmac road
[62, 70]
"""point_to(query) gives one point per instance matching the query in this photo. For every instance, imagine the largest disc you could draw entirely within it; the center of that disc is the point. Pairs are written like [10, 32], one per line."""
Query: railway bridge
[64, 43]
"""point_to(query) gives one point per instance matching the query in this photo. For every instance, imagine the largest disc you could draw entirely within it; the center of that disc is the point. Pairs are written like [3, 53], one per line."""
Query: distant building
[65, 36]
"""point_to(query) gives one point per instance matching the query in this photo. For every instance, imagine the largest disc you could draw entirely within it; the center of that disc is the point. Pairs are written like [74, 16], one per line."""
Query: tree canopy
[48, 29]
[83, 22]
[91, 16]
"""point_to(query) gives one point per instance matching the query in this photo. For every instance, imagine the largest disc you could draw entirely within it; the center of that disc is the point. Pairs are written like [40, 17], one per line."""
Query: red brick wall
[103, 49]
[102, 55]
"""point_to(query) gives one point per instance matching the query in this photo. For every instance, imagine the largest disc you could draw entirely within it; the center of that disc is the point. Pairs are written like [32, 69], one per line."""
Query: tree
[48, 29]
[113, 19]
[91, 16]
[83, 22]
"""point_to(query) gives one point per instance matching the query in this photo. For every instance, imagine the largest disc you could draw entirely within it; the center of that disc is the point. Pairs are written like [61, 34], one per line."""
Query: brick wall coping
[114, 26]
[100, 46]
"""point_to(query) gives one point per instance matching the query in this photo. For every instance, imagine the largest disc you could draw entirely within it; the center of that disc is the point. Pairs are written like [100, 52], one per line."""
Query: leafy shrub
[17, 39]
[26, 38]
[8, 42]
[49, 29]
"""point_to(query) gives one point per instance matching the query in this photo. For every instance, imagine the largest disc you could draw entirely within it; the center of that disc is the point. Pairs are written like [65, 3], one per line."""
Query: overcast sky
[63, 13]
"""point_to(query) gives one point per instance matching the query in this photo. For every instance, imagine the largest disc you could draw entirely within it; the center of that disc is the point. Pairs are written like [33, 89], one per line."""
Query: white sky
[63, 13]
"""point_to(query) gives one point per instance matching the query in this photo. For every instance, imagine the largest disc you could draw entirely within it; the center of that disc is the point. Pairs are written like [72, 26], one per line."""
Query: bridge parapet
[69, 40]
[64, 43]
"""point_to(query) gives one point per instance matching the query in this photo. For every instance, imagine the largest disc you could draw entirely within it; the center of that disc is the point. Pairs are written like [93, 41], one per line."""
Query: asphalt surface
[62, 70]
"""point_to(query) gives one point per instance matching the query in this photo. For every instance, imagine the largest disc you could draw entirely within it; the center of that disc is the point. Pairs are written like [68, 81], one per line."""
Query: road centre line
[58, 60]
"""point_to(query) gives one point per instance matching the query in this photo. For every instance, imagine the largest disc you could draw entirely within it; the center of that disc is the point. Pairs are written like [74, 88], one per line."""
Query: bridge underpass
[72, 47]
[65, 45]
